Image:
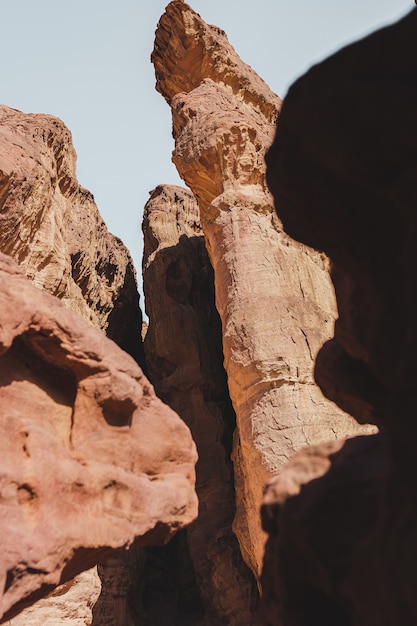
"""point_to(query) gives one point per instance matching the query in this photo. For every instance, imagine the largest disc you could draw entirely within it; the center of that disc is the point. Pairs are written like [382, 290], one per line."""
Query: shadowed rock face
[51, 226]
[185, 362]
[341, 521]
[90, 459]
[273, 295]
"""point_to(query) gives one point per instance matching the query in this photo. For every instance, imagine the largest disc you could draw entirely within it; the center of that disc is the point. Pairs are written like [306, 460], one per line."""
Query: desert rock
[51, 226]
[342, 540]
[91, 460]
[274, 296]
[183, 349]
[70, 604]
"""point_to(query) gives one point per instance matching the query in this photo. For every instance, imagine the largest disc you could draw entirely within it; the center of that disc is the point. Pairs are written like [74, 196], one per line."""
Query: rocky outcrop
[274, 296]
[342, 540]
[90, 459]
[70, 604]
[184, 356]
[51, 226]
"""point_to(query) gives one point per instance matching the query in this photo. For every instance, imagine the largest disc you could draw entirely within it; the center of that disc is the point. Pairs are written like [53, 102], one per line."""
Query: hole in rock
[118, 412]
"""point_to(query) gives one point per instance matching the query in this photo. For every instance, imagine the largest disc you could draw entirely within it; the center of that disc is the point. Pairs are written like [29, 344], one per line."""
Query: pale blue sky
[87, 62]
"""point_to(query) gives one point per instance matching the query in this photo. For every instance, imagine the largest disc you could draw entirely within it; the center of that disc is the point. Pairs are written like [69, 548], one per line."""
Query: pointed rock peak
[188, 51]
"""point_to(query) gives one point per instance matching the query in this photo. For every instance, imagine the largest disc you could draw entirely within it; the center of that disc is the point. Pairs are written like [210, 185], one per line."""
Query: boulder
[90, 459]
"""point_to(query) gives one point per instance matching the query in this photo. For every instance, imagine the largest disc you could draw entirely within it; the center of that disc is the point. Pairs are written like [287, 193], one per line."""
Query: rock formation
[342, 518]
[90, 459]
[71, 604]
[52, 228]
[184, 356]
[274, 296]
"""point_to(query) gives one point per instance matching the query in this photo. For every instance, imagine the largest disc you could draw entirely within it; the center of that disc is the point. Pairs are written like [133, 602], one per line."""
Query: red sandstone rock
[274, 296]
[69, 604]
[90, 459]
[183, 348]
[51, 226]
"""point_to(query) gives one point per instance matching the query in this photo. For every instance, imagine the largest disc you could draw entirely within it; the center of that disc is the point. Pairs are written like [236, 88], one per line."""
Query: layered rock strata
[274, 296]
[90, 459]
[51, 226]
[341, 520]
[184, 356]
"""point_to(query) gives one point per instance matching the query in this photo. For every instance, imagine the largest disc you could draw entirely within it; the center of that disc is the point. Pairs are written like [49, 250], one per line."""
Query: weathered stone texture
[274, 296]
[341, 520]
[90, 459]
[184, 356]
[51, 226]
[70, 604]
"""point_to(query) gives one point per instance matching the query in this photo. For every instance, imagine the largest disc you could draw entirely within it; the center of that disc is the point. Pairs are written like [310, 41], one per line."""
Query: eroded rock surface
[184, 356]
[70, 604]
[274, 296]
[90, 459]
[51, 226]
[342, 540]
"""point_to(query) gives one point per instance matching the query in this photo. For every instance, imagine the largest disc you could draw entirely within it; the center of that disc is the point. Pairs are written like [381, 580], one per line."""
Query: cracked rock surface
[274, 295]
[51, 226]
[90, 459]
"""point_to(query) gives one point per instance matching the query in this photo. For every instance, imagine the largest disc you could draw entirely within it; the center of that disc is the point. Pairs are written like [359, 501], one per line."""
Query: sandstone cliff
[82, 473]
[341, 519]
[184, 356]
[51, 226]
[274, 296]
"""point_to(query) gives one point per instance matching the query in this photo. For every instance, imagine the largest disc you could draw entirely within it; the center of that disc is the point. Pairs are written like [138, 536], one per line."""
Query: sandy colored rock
[183, 349]
[51, 226]
[70, 604]
[274, 296]
[357, 187]
[90, 459]
[342, 541]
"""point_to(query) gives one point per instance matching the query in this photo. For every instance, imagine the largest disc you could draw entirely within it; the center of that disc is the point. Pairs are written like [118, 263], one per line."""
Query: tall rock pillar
[184, 356]
[274, 296]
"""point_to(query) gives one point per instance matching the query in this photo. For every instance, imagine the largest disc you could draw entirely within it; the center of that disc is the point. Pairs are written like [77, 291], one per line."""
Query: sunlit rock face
[274, 296]
[183, 349]
[90, 459]
[342, 518]
[51, 226]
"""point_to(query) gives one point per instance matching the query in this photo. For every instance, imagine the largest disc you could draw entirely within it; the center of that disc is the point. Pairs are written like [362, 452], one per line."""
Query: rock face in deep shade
[274, 296]
[350, 512]
[82, 471]
[52, 228]
[184, 356]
